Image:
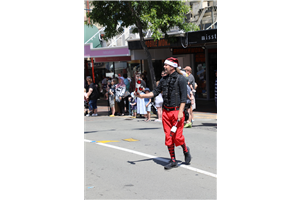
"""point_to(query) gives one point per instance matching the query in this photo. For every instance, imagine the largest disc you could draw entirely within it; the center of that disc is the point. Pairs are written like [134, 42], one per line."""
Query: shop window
[200, 75]
[212, 61]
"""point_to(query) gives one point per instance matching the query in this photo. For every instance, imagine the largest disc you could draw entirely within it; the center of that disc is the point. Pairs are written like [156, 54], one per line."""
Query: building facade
[195, 49]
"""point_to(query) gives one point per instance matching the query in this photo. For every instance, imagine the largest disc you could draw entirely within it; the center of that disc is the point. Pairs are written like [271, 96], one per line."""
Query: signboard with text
[177, 51]
[201, 37]
[134, 45]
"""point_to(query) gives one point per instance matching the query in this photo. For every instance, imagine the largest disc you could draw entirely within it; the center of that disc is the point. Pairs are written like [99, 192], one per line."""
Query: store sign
[157, 43]
[113, 59]
[201, 37]
[134, 45]
[187, 51]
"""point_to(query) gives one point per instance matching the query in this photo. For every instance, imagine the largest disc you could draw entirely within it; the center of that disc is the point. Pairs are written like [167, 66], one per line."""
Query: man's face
[168, 69]
[187, 70]
[89, 80]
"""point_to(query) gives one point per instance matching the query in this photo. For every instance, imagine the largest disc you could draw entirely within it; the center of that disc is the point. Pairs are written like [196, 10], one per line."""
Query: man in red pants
[174, 89]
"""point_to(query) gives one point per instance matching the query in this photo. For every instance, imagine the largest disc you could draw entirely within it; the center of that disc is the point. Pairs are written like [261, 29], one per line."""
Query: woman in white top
[141, 107]
[120, 92]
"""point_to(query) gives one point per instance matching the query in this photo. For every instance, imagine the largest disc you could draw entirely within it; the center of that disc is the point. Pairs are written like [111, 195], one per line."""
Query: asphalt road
[116, 168]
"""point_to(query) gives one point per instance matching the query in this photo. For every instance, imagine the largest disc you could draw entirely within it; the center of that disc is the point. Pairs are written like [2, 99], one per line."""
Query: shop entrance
[212, 64]
[200, 75]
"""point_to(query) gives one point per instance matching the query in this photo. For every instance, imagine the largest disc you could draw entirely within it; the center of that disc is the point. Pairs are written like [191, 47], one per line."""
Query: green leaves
[158, 16]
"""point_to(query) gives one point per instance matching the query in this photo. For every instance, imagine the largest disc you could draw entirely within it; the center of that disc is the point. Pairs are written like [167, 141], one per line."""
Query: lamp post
[93, 70]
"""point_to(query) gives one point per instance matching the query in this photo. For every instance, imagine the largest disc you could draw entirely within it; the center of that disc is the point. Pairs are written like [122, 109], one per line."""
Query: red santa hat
[172, 62]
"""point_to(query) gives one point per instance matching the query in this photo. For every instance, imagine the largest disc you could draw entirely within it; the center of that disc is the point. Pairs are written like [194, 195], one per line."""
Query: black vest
[170, 90]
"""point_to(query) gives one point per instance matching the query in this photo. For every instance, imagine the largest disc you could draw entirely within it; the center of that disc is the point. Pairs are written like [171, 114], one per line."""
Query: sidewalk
[204, 109]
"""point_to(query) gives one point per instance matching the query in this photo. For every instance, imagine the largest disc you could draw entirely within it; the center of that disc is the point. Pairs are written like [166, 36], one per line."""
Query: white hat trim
[171, 63]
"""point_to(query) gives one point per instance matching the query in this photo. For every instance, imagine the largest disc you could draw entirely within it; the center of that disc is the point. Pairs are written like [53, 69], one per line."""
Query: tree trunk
[149, 58]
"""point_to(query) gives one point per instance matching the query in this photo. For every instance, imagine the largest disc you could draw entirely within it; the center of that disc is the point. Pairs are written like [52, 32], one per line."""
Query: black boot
[187, 156]
[171, 164]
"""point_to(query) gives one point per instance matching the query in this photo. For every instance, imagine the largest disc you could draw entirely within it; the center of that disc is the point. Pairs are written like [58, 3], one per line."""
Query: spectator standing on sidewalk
[126, 103]
[91, 97]
[141, 108]
[187, 107]
[104, 85]
[86, 104]
[148, 105]
[158, 100]
[111, 97]
[120, 92]
[158, 104]
[191, 81]
[132, 101]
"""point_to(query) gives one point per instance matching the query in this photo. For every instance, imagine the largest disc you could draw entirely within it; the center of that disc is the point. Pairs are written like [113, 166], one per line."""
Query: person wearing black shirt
[92, 97]
[174, 89]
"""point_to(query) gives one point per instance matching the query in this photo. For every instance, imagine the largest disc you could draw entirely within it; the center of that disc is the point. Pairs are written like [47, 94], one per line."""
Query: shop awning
[90, 31]
[90, 52]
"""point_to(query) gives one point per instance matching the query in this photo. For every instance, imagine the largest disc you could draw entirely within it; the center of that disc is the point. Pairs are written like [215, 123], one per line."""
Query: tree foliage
[158, 16]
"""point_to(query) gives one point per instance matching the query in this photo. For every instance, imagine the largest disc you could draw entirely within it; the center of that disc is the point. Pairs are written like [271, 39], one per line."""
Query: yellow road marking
[130, 140]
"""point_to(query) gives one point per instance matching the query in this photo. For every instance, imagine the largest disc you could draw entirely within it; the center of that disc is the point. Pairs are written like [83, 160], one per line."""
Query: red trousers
[169, 119]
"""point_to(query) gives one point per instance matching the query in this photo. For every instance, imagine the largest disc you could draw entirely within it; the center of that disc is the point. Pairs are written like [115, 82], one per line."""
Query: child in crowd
[111, 97]
[107, 89]
[148, 105]
[158, 104]
[86, 104]
[132, 101]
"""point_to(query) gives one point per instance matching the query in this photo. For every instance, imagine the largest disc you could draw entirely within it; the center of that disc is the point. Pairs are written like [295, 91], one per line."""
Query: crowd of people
[119, 92]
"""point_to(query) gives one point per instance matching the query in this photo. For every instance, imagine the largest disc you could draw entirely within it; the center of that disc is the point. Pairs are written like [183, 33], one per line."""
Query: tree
[158, 16]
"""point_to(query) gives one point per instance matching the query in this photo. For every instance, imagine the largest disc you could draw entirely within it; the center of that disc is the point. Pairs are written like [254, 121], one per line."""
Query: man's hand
[149, 95]
[181, 109]
[137, 95]
[180, 115]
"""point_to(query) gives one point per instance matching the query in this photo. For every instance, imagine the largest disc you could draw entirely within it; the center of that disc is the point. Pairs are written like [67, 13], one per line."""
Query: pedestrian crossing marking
[130, 140]
[106, 141]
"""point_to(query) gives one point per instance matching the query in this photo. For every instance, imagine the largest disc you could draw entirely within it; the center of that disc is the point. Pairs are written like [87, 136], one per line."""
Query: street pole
[93, 70]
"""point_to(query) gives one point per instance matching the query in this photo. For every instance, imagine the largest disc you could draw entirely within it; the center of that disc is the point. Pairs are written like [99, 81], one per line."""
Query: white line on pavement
[156, 158]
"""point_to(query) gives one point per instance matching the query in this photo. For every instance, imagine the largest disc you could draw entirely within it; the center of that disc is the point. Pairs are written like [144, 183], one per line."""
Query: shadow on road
[159, 160]
[206, 124]
[144, 128]
[98, 131]
[90, 132]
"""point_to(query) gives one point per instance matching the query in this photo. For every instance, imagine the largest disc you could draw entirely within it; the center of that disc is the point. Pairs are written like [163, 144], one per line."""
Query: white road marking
[154, 157]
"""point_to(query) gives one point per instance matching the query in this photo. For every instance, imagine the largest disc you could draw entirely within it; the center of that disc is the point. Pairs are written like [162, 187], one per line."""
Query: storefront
[109, 62]
[202, 49]
[200, 54]
[159, 50]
